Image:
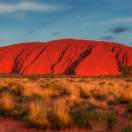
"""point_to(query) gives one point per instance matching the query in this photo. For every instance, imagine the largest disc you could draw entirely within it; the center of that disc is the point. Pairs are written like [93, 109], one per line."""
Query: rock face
[67, 56]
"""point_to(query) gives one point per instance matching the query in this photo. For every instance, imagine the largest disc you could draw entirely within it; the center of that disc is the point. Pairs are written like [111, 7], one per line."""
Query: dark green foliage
[126, 70]
[80, 119]
[121, 100]
[112, 102]
[19, 113]
[87, 119]
[129, 107]
[61, 88]
[16, 92]
[54, 120]
[98, 96]
[4, 90]
[2, 112]
[33, 124]
[83, 95]
[127, 129]
[111, 120]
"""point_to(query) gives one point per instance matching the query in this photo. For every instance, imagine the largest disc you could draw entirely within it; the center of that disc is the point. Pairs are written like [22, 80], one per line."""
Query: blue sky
[43, 20]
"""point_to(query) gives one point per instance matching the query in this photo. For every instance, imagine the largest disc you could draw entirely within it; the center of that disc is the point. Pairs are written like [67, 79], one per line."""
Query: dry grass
[7, 101]
[59, 103]
[37, 114]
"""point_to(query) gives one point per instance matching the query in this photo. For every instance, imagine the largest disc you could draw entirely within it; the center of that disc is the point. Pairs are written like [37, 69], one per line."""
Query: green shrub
[80, 119]
[125, 70]
[16, 91]
[127, 129]
[4, 90]
[2, 112]
[98, 96]
[83, 95]
[34, 124]
[55, 122]
[129, 107]
[87, 119]
[112, 102]
[110, 120]
[19, 112]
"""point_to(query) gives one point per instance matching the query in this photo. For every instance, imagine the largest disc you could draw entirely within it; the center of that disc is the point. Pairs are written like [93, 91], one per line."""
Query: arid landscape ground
[65, 104]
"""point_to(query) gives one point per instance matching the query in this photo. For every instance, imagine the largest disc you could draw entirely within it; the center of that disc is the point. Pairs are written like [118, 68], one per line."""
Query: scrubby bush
[126, 70]
[54, 120]
[97, 95]
[111, 120]
[88, 119]
[7, 101]
[83, 94]
[127, 129]
[81, 119]
[129, 107]
[37, 115]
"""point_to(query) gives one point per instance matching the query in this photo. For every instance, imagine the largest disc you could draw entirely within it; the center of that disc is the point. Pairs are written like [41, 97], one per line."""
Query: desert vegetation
[96, 104]
[125, 70]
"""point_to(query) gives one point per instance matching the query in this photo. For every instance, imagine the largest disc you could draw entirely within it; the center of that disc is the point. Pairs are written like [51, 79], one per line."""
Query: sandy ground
[12, 125]
[8, 124]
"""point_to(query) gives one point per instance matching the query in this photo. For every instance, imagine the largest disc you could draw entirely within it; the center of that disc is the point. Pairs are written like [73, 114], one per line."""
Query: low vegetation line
[60, 76]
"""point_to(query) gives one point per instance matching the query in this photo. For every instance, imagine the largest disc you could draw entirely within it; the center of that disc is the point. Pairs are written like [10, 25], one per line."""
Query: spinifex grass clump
[44, 114]
[127, 129]
[129, 107]
[7, 101]
[62, 103]
[59, 120]
[110, 120]
[83, 94]
[7, 104]
[81, 119]
[37, 115]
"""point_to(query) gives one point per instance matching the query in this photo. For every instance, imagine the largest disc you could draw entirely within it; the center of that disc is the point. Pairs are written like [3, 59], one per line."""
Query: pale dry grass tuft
[7, 101]
[29, 90]
[37, 114]
[62, 108]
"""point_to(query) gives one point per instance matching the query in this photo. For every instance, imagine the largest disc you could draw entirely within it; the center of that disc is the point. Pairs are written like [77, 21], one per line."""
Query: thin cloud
[3, 39]
[123, 20]
[130, 44]
[56, 33]
[20, 15]
[119, 29]
[29, 6]
[31, 31]
[108, 38]
[120, 20]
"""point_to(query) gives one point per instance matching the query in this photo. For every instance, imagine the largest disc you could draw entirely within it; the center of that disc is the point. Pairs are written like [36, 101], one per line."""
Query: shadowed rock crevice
[121, 56]
[71, 69]
[59, 59]
[35, 59]
[16, 66]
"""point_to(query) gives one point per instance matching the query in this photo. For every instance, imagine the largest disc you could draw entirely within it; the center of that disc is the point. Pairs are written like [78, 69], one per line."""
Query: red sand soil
[11, 125]
[66, 56]
[8, 124]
